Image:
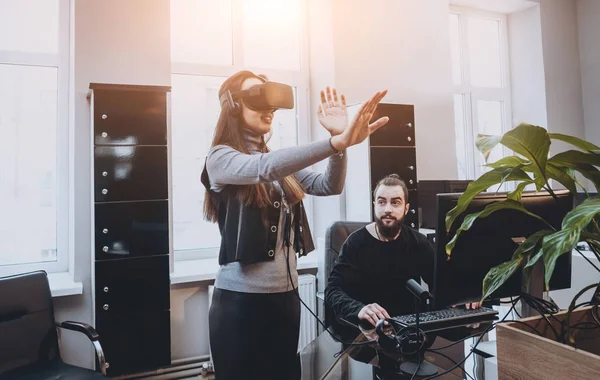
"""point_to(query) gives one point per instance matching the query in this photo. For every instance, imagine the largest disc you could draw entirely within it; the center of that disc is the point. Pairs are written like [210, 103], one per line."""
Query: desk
[318, 359]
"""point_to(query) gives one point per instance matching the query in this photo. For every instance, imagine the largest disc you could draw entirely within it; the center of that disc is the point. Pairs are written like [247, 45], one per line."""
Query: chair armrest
[88, 330]
[92, 335]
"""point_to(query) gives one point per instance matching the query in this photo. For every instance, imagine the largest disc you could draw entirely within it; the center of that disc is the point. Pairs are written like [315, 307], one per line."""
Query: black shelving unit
[131, 233]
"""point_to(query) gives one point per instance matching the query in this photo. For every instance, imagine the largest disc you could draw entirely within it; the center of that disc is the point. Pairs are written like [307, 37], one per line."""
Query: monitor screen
[492, 241]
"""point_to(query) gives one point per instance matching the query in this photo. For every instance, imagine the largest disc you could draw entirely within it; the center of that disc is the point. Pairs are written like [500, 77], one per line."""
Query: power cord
[453, 361]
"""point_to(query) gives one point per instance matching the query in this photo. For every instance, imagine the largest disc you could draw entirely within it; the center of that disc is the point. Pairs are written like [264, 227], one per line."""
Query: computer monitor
[427, 193]
[489, 242]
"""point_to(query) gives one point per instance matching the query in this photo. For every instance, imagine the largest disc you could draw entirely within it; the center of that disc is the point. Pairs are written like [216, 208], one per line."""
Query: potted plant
[532, 165]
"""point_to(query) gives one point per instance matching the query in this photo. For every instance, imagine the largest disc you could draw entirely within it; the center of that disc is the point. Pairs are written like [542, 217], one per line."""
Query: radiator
[307, 288]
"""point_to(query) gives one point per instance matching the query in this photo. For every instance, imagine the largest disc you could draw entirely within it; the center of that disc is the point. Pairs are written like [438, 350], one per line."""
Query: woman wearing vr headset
[255, 195]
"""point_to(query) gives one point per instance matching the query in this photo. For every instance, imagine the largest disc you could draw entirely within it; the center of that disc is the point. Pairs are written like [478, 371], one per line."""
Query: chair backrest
[335, 236]
[27, 327]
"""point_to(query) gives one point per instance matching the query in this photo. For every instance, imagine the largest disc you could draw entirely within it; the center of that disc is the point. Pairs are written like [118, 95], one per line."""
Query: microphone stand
[421, 368]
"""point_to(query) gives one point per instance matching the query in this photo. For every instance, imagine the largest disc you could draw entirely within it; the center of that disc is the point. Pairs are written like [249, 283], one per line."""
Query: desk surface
[324, 358]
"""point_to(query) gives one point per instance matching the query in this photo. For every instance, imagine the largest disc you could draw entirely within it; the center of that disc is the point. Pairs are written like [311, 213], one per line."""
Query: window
[211, 40]
[480, 76]
[34, 154]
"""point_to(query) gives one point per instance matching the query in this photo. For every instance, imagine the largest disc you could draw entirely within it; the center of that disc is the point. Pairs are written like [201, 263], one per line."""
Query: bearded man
[368, 280]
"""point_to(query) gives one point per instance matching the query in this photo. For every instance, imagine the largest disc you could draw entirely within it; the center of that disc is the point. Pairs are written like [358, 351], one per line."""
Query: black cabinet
[131, 225]
[398, 160]
[129, 115]
[130, 173]
[412, 217]
[131, 229]
[132, 285]
[392, 150]
[135, 341]
[399, 130]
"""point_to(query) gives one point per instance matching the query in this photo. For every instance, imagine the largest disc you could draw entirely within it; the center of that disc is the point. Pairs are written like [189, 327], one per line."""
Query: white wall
[588, 16]
[115, 42]
[562, 70]
[321, 67]
[527, 79]
[402, 46]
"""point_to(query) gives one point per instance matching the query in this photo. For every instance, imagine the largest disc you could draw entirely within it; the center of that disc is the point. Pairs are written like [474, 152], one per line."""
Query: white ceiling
[499, 6]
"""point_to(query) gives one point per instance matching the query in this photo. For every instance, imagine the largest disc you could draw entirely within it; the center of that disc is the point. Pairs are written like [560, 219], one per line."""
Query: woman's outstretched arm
[331, 182]
[228, 166]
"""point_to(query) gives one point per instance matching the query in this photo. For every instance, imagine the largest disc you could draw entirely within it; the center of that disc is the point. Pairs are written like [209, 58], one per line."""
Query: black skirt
[254, 335]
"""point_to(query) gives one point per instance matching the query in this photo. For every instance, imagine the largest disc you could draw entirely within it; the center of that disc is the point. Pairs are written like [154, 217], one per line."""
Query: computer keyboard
[450, 316]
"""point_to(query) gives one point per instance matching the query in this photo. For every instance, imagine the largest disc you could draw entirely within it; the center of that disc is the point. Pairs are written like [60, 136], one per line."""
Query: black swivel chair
[335, 236]
[28, 333]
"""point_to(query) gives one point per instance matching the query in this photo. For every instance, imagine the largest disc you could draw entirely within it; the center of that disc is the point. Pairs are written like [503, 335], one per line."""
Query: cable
[453, 344]
[453, 362]
[418, 368]
[515, 309]
[465, 358]
[544, 307]
[525, 324]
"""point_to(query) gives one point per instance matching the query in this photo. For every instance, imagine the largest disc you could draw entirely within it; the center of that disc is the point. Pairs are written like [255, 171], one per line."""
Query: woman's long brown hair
[229, 132]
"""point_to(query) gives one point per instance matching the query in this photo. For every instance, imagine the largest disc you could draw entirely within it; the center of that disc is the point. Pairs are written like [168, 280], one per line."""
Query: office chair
[28, 333]
[335, 236]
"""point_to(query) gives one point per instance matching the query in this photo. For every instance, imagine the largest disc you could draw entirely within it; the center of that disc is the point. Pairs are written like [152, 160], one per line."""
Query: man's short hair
[392, 180]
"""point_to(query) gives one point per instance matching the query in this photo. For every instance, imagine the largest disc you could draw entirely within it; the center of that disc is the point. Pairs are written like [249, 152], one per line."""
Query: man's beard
[389, 231]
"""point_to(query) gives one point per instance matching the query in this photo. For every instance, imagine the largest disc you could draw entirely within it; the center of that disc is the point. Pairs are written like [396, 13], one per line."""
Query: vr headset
[263, 97]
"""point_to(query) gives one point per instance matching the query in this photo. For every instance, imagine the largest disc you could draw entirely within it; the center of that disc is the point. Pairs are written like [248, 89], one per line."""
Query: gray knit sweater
[227, 166]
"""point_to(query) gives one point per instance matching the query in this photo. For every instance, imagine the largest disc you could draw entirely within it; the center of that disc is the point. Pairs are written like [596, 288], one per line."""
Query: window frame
[472, 94]
[64, 158]
[299, 79]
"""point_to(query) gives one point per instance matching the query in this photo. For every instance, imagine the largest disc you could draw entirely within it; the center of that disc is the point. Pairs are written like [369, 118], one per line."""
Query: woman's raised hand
[332, 112]
[360, 128]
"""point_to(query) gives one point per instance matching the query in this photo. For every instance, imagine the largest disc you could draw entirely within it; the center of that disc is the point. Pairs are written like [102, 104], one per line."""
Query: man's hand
[474, 305]
[373, 313]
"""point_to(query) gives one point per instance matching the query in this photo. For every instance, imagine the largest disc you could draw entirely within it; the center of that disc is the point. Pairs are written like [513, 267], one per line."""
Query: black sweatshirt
[369, 270]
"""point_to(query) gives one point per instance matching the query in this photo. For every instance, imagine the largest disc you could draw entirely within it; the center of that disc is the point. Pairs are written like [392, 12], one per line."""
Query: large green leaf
[481, 184]
[580, 216]
[560, 175]
[508, 161]
[572, 173]
[575, 141]
[498, 275]
[516, 194]
[532, 142]
[581, 162]
[590, 172]
[571, 158]
[535, 246]
[486, 143]
[487, 211]
[564, 241]
[554, 246]
[539, 180]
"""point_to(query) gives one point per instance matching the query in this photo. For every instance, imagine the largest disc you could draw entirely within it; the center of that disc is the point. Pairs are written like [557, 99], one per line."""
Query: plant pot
[523, 354]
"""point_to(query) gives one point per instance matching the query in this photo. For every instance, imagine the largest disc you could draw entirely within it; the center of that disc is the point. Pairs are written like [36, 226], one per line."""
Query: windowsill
[187, 271]
[62, 284]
